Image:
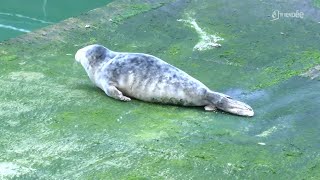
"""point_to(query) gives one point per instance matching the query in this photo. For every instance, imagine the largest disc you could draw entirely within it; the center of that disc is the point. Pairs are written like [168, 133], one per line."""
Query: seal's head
[235, 107]
[226, 103]
[93, 55]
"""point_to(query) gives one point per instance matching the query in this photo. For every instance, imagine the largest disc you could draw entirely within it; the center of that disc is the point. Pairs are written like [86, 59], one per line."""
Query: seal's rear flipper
[227, 104]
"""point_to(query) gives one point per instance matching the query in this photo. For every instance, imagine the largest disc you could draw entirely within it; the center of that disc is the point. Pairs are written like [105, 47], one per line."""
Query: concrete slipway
[56, 125]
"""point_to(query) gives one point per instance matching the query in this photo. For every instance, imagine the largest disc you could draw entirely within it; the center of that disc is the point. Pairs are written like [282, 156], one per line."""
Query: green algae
[316, 3]
[293, 66]
[174, 50]
[9, 58]
[56, 124]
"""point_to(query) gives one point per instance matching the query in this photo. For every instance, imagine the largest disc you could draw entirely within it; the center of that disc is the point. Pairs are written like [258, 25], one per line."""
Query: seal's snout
[237, 107]
[226, 103]
[78, 55]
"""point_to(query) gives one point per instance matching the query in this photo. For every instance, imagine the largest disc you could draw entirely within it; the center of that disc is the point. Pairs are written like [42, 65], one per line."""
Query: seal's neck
[110, 54]
[97, 63]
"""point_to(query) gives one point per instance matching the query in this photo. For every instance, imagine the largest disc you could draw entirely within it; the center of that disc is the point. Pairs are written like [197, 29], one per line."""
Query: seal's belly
[164, 88]
[148, 78]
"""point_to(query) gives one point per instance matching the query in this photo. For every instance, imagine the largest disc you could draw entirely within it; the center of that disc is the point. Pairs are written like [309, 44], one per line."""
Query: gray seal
[145, 77]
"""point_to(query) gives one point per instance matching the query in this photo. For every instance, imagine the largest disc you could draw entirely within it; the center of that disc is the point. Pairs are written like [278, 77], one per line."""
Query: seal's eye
[97, 52]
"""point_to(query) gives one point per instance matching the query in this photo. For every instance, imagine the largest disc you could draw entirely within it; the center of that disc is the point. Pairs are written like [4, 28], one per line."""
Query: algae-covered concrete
[56, 125]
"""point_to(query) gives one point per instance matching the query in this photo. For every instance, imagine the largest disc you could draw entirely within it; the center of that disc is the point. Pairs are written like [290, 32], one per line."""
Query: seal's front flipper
[210, 108]
[113, 92]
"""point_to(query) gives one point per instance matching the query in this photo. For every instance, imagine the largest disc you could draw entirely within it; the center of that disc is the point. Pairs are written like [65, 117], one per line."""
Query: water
[18, 17]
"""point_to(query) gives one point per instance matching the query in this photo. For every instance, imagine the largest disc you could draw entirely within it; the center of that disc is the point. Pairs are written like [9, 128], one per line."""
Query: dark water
[19, 16]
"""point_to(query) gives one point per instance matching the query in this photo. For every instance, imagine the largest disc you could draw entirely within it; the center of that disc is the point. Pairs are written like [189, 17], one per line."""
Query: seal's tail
[226, 103]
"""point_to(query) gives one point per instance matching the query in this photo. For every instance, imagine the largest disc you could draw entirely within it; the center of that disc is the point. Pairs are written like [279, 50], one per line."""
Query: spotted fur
[148, 78]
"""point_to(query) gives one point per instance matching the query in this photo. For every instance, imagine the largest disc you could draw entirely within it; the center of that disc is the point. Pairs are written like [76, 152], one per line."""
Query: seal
[145, 77]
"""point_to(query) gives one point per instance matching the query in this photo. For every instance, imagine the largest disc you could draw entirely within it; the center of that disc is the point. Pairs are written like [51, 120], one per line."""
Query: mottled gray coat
[148, 78]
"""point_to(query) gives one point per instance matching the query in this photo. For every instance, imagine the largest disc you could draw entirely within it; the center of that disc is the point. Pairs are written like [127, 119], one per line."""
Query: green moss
[92, 40]
[8, 58]
[174, 50]
[59, 125]
[131, 10]
[293, 66]
[316, 3]
[136, 177]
